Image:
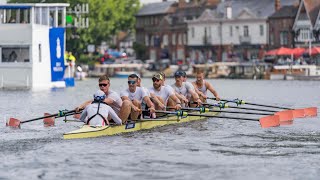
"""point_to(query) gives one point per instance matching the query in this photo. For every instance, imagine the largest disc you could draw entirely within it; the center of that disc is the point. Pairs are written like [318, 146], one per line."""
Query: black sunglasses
[103, 85]
[131, 82]
[155, 80]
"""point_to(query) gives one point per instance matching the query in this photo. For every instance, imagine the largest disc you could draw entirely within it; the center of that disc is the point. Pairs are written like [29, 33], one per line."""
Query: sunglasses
[155, 80]
[132, 82]
[103, 85]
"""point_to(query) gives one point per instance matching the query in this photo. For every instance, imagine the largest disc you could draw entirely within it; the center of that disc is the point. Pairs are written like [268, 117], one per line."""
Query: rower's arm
[85, 104]
[175, 99]
[212, 90]
[156, 100]
[108, 100]
[148, 101]
[194, 95]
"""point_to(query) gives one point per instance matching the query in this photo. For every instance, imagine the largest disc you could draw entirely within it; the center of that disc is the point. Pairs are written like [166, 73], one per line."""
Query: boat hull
[87, 131]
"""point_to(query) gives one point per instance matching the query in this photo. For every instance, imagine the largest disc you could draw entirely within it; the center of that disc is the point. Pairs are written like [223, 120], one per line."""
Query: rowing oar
[48, 119]
[265, 122]
[297, 113]
[282, 116]
[286, 115]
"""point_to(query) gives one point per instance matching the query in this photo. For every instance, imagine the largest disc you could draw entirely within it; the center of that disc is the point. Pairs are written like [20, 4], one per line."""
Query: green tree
[106, 19]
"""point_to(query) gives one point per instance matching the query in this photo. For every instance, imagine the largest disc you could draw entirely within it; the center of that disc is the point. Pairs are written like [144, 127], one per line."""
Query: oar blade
[76, 116]
[269, 121]
[298, 113]
[311, 111]
[286, 115]
[49, 121]
[13, 122]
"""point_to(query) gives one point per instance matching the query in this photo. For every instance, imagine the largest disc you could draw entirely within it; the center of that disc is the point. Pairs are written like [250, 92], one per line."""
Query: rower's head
[157, 80]
[137, 77]
[199, 76]
[99, 95]
[104, 83]
[133, 81]
[179, 76]
[163, 76]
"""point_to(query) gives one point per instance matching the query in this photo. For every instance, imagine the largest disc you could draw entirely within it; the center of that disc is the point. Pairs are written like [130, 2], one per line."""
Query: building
[280, 27]
[236, 30]
[32, 39]
[306, 26]
[162, 27]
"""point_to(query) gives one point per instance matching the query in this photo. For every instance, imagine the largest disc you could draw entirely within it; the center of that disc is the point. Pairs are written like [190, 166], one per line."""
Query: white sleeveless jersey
[203, 88]
[164, 93]
[184, 89]
[104, 110]
[139, 94]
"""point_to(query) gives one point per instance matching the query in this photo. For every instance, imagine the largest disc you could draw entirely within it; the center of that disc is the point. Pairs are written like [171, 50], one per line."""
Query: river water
[210, 149]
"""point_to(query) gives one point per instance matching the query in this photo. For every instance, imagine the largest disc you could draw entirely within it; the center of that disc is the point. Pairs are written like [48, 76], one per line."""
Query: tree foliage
[106, 18]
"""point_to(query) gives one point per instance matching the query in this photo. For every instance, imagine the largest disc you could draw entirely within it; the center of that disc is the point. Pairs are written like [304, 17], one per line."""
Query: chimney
[228, 10]
[277, 5]
[182, 3]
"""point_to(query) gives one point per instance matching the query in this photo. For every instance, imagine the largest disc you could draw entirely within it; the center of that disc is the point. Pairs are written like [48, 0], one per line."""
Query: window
[284, 38]
[304, 34]
[271, 39]
[245, 31]
[15, 54]
[40, 58]
[147, 40]
[230, 31]
[165, 40]
[173, 39]
[192, 32]
[261, 30]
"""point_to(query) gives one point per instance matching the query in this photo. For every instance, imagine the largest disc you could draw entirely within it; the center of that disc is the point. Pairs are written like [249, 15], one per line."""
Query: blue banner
[56, 38]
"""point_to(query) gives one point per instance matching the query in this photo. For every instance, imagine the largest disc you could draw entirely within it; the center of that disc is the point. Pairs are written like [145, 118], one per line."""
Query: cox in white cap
[99, 95]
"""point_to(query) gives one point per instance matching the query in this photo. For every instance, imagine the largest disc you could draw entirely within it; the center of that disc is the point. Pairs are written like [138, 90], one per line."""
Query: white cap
[100, 95]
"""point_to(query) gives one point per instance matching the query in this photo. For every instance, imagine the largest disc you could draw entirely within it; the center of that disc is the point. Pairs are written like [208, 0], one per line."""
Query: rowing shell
[87, 131]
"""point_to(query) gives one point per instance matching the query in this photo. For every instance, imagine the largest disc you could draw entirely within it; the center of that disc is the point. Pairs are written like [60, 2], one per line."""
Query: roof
[285, 12]
[155, 8]
[312, 8]
[29, 5]
[260, 8]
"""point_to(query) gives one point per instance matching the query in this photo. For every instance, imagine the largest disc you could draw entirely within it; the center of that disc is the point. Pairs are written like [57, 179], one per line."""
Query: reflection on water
[210, 149]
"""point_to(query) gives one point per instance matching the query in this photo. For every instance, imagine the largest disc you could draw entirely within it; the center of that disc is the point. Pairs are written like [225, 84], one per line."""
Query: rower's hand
[135, 108]
[162, 106]
[199, 102]
[218, 98]
[203, 95]
[78, 109]
[178, 107]
[152, 110]
[185, 100]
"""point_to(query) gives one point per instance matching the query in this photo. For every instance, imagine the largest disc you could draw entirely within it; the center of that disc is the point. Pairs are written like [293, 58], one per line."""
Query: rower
[112, 98]
[184, 89]
[161, 94]
[96, 114]
[135, 95]
[203, 86]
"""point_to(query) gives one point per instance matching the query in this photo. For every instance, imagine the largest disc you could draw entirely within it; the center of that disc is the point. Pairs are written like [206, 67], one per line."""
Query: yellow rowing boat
[87, 131]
